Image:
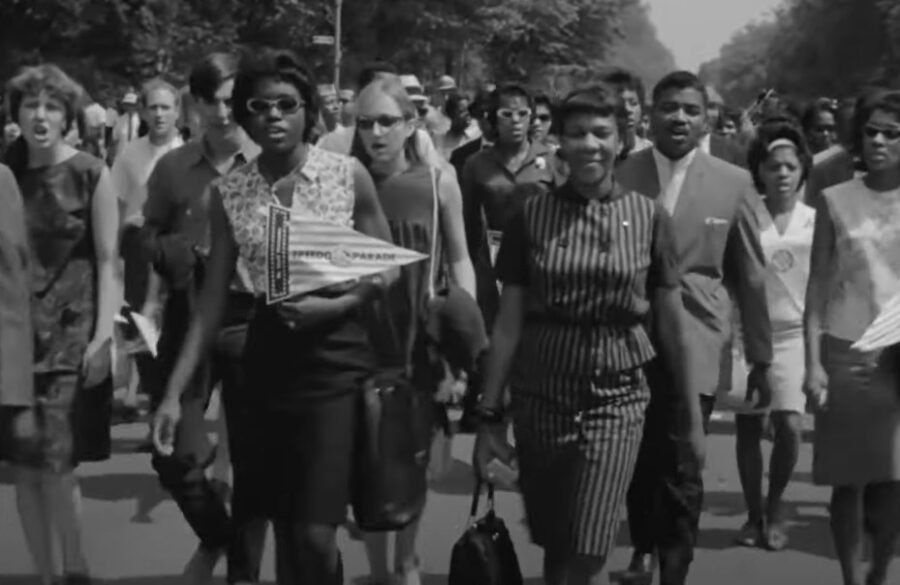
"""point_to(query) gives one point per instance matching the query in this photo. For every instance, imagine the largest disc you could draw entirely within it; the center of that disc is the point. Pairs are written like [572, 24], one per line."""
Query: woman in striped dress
[582, 267]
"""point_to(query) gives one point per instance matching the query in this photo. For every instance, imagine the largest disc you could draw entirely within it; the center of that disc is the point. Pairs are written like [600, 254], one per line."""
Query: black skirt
[303, 422]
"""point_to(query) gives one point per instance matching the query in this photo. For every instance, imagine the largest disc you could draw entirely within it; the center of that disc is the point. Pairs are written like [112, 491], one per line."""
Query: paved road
[135, 536]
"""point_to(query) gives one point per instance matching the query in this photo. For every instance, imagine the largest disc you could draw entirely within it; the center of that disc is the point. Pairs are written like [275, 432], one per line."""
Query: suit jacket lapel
[648, 174]
[693, 184]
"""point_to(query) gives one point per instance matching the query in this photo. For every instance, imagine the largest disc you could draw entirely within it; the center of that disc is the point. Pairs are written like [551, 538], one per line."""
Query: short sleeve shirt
[590, 268]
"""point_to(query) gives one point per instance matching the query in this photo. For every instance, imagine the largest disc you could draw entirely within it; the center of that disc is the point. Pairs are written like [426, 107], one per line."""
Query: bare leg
[785, 452]
[63, 500]
[882, 511]
[35, 522]
[406, 558]
[750, 464]
[847, 531]
[377, 552]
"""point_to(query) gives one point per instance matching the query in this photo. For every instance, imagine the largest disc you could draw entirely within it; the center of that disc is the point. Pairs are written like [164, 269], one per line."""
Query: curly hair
[50, 79]
[769, 131]
[281, 65]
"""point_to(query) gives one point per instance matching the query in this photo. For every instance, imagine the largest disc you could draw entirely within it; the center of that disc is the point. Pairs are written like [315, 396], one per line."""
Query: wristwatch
[489, 416]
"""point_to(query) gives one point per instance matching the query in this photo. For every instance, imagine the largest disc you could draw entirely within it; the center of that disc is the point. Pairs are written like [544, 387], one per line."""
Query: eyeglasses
[891, 134]
[509, 114]
[285, 105]
[384, 122]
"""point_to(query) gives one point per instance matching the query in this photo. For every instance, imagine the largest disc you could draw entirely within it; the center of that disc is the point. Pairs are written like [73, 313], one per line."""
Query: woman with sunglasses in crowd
[306, 357]
[854, 272]
[424, 209]
[498, 179]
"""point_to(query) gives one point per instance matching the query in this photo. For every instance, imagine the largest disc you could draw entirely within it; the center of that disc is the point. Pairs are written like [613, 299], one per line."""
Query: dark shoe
[76, 580]
[639, 571]
[752, 534]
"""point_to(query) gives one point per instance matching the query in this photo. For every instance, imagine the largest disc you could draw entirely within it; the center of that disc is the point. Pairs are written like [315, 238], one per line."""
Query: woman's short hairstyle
[281, 65]
[157, 84]
[210, 73]
[391, 86]
[867, 104]
[819, 106]
[50, 79]
[506, 90]
[603, 100]
[769, 131]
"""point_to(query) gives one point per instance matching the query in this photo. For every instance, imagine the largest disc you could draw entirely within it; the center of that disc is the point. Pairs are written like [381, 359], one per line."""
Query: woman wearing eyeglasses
[306, 357]
[497, 180]
[542, 125]
[854, 272]
[409, 188]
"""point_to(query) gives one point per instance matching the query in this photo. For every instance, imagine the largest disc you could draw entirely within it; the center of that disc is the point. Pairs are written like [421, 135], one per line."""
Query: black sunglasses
[888, 133]
[384, 122]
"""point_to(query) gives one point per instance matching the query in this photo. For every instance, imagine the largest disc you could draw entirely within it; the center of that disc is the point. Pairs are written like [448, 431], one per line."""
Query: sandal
[776, 537]
[751, 535]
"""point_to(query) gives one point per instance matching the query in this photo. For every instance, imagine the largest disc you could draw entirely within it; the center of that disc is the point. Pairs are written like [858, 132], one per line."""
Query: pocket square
[716, 221]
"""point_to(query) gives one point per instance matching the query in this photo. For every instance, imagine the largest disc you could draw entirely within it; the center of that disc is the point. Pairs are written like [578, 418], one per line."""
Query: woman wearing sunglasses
[424, 209]
[583, 268]
[498, 179]
[305, 357]
[854, 272]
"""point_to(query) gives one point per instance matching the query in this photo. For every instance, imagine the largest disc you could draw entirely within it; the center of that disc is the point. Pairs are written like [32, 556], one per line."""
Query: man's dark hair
[368, 73]
[210, 73]
[680, 80]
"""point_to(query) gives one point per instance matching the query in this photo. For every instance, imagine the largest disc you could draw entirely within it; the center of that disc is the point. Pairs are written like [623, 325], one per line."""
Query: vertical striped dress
[579, 393]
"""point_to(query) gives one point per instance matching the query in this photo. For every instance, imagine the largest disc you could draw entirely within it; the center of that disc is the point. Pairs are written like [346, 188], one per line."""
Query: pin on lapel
[625, 223]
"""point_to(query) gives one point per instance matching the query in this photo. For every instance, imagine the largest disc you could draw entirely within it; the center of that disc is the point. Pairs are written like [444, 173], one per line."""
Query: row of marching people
[623, 266]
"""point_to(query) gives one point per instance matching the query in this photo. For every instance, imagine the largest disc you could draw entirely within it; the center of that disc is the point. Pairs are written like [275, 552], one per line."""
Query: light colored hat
[413, 88]
[95, 115]
[130, 99]
[446, 83]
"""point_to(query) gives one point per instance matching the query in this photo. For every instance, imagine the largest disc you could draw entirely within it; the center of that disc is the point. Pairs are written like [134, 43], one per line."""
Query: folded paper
[306, 254]
[884, 331]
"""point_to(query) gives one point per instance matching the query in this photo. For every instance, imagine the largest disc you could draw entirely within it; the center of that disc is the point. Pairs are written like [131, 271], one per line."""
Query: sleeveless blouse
[58, 203]
[323, 189]
[866, 268]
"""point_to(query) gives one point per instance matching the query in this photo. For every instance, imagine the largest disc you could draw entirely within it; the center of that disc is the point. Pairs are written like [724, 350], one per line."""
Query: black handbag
[484, 555]
[390, 483]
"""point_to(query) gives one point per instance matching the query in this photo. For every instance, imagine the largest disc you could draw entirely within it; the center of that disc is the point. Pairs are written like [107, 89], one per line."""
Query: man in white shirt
[131, 170]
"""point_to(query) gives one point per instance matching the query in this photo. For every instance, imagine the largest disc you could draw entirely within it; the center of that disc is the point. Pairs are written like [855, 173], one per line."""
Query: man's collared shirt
[178, 193]
[672, 174]
[706, 144]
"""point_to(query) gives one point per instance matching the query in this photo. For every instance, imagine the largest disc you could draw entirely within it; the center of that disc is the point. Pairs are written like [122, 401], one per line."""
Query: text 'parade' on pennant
[306, 254]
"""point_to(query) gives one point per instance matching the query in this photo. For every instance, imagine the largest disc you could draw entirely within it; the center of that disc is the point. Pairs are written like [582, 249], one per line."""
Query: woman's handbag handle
[476, 499]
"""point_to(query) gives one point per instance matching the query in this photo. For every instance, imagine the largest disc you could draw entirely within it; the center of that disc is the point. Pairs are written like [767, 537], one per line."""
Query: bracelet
[489, 416]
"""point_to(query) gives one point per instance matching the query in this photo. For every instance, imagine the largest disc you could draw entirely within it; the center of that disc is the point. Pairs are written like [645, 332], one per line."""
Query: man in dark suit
[720, 259]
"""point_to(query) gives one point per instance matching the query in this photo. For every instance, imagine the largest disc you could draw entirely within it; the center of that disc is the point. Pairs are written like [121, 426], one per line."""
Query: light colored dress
[857, 439]
[787, 274]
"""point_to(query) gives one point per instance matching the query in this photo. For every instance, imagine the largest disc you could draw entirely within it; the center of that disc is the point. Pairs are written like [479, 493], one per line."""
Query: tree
[812, 48]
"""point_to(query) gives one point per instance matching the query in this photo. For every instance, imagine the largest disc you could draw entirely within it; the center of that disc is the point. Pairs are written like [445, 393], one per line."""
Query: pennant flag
[884, 331]
[306, 254]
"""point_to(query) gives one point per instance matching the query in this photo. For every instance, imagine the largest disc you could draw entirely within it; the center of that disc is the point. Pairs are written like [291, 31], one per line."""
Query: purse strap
[435, 230]
[476, 500]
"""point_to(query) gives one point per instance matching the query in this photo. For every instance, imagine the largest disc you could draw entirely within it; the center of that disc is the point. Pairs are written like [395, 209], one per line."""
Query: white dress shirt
[672, 174]
[706, 143]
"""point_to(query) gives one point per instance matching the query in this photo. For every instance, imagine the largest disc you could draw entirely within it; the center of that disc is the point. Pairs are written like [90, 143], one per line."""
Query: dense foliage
[108, 44]
[812, 48]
